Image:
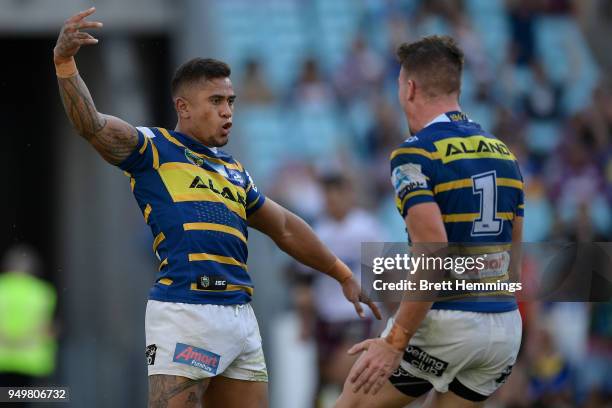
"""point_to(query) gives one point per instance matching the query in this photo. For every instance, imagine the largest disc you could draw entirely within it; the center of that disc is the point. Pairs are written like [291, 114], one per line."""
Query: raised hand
[71, 38]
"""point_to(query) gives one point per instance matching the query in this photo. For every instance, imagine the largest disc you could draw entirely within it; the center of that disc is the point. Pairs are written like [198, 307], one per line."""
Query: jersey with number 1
[475, 180]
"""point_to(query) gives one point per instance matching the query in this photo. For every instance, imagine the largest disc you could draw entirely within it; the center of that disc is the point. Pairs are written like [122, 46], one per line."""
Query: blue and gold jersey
[475, 180]
[196, 200]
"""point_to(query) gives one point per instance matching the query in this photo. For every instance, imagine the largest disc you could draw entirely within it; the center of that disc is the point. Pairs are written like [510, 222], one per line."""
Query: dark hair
[197, 69]
[436, 62]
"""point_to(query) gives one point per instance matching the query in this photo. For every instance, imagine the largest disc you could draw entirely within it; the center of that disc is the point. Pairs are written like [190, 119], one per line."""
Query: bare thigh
[224, 392]
[387, 397]
[173, 391]
[449, 400]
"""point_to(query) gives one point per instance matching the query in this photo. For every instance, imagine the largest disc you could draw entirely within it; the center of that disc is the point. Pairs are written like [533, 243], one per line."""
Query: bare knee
[170, 391]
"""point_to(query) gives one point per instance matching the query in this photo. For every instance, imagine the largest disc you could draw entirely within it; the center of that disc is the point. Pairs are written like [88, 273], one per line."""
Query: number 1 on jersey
[485, 185]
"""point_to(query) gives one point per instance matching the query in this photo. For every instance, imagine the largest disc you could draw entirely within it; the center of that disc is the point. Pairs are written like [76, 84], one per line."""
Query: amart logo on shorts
[196, 357]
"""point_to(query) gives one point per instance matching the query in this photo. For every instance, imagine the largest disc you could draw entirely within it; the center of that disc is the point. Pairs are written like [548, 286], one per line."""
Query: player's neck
[181, 128]
[431, 110]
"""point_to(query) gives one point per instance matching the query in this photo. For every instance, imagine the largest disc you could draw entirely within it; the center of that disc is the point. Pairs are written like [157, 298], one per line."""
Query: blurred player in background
[27, 306]
[203, 342]
[342, 227]
[454, 182]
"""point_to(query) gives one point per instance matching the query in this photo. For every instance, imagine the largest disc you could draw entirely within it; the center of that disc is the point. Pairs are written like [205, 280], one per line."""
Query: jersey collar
[193, 144]
[452, 116]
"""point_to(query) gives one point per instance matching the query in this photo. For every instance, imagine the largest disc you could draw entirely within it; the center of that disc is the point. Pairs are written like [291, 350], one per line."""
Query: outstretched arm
[296, 238]
[113, 138]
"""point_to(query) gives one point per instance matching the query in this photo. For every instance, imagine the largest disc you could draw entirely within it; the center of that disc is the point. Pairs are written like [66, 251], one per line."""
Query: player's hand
[71, 38]
[352, 292]
[375, 366]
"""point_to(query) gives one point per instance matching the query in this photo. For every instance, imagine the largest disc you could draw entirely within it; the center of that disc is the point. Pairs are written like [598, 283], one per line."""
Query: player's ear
[182, 107]
[411, 90]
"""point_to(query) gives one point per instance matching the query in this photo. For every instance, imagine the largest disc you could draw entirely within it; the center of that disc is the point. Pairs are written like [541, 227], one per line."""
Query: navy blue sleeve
[145, 155]
[411, 169]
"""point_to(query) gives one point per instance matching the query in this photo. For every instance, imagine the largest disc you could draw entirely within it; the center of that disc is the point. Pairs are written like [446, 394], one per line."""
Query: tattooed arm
[113, 138]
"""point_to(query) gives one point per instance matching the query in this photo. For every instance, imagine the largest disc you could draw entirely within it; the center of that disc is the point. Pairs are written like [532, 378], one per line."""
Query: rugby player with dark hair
[454, 183]
[203, 341]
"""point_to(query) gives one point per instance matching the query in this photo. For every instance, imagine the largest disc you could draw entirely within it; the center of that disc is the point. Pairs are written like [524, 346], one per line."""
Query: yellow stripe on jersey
[414, 150]
[467, 182]
[132, 183]
[473, 147]
[165, 281]
[521, 206]
[409, 196]
[187, 182]
[172, 139]
[162, 264]
[147, 212]
[228, 260]
[508, 182]
[208, 226]
[158, 239]
[229, 288]
[144, 145]
[469, 217]
[453, 185]
[253, 203]
[155, 156]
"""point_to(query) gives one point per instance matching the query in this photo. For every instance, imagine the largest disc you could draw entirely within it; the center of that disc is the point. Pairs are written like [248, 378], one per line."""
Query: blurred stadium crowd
[532, 78]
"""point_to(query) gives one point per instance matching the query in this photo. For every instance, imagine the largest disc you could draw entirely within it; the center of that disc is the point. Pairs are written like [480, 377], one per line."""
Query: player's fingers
[364, 380]
[81, 15]
[89, 24]
[360, 366]
[359, 347]
[379, 384]
[83, 36]
[80, 25]
[88, 41]
[359, 309]
[372, 306]
[370, 381]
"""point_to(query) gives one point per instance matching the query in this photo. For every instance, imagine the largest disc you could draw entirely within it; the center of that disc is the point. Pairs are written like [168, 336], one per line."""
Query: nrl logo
[204, 281]
[193, 158]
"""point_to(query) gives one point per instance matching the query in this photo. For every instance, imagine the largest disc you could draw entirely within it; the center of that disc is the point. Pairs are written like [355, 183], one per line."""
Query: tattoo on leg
[192, 400]
[162, 388]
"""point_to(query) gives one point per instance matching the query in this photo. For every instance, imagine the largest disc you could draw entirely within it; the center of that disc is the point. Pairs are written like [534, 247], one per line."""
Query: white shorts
[472, 352]
[201, 341]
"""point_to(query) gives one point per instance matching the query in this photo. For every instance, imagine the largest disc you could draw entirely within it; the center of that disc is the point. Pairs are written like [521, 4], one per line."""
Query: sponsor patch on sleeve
[251, 182]
[196, 357]
[408, 177]
[150, 352]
